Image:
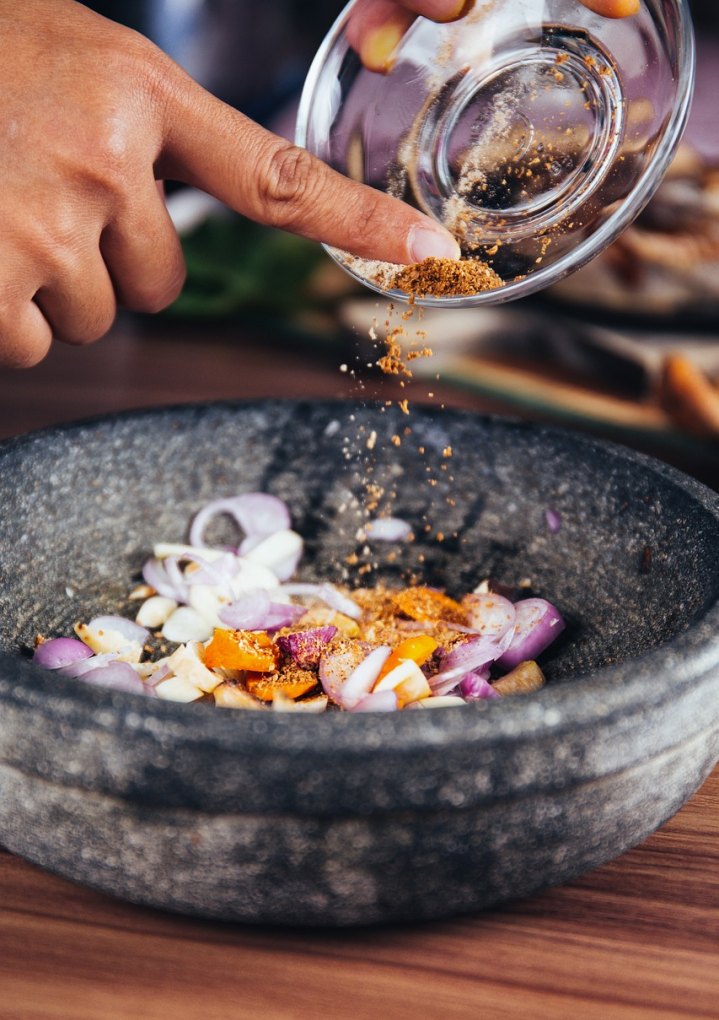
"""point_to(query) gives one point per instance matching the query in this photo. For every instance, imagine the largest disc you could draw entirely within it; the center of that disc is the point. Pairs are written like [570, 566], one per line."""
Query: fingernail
[379, 46]
[427, 242]
[457, 11]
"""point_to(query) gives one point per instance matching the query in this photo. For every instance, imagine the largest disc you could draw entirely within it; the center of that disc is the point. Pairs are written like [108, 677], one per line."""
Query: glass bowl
[535, 130]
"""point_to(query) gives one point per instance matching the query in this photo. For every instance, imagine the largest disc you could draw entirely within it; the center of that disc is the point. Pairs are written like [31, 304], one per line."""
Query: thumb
[215, 148]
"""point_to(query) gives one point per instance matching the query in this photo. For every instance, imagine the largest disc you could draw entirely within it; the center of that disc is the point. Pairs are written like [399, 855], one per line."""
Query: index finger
[217, 149]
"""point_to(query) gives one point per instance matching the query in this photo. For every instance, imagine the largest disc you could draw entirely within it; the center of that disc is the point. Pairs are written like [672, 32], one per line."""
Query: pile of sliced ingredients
[229, 626]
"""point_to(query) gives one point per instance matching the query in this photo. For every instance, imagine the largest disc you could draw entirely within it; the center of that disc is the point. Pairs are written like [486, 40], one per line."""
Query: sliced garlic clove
[104, 639]
[253, 575]
[154, 611]
[279, 552]
[177, 689]
[186, 663]
[208, 600]
[186, 624]
[281, 703]
[229, 696]
[442, 701]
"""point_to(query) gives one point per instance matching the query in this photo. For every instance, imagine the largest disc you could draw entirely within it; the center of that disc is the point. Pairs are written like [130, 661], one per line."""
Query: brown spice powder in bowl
[446, 278]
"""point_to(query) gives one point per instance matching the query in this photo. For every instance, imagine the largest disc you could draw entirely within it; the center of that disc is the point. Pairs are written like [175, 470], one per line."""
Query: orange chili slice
[264, 686]
[242, 649]
[427, 604]
[419, 647]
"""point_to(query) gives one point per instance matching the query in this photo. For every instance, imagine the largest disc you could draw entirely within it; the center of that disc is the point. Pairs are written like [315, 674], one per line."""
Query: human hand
[94, 116]
[377, 26]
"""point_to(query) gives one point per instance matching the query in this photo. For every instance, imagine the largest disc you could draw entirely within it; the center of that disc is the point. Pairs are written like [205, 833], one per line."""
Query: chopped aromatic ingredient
[256, 640]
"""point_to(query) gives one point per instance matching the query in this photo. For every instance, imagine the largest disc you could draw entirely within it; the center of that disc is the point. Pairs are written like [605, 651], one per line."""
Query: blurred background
[629, 344]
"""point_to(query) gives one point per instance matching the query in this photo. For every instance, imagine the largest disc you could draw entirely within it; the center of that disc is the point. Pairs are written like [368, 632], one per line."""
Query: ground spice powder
[446, 278]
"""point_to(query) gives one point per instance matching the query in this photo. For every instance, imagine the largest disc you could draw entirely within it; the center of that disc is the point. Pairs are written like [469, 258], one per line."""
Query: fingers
[612, 8]
[143, 253]
[375, 30]
[437, 10]
[68, 286]
[376, 27]
[78, 301]
[25, 335]
[217, 149]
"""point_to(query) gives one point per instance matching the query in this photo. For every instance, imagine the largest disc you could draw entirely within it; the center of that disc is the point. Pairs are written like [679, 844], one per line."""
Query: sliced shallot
[490, 615]
[130, 630]
[256, 513]
[76, 669]
[553, 519]
[305, 647]
[377, 701]
[254, 610]
[537, 624]
[328, 594]
[476, 687]
[61, 652]
[336, 665]
[117, 676]
[362, 679]
[219, 571]
[155, 574]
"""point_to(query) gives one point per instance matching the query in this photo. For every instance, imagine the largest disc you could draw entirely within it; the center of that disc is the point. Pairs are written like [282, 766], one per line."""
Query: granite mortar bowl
[342, 819]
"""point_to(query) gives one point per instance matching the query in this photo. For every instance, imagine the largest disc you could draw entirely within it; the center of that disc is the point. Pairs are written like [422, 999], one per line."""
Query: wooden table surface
[636, 938]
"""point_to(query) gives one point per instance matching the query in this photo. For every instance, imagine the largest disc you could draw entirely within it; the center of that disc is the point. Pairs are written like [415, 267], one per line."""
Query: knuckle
[110, 165]
[287, 185]
[58, 241]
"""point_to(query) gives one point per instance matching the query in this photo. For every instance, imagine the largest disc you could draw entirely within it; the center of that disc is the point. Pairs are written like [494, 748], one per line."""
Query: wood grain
[637, 939]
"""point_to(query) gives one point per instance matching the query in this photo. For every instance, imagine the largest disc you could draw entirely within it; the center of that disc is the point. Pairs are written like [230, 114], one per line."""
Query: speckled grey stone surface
[343, 819]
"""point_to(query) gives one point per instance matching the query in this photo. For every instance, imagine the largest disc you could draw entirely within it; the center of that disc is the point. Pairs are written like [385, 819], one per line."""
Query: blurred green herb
[236, 266]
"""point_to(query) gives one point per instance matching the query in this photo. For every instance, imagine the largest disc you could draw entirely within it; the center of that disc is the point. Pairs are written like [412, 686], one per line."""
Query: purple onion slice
[538, 623]
[472, 654]
[156, 575]
[305, 647]
[128, 629]
[256, 513]
[254, 610]
[328, 594]
[336, 665]
[217, 572]
[362, 679]
[553, 519]
[118, 676]
[476, 687]
[59, 653]
[76, 669]
[377, 701]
